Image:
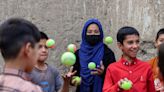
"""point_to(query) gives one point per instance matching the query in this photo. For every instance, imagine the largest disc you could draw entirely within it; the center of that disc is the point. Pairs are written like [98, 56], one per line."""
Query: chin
[43, 59]
[133, 57]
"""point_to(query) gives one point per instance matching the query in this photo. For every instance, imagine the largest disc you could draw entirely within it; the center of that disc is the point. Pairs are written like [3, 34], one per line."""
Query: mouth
[134, 52]
[43, 55]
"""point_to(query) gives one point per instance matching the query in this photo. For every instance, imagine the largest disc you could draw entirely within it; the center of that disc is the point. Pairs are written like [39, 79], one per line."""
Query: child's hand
[76, 80]
[67, 77]
[98, 70]
[121, 81]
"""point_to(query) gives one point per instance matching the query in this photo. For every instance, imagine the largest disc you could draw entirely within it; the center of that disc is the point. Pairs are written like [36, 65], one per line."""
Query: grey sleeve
[58, 82]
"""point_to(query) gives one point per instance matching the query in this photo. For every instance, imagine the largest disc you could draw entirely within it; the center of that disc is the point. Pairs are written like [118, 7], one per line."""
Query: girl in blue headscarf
[92, 49]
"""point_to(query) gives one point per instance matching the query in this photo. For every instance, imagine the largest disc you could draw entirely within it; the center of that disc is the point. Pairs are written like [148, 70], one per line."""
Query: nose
[44, 49]
[135, 45]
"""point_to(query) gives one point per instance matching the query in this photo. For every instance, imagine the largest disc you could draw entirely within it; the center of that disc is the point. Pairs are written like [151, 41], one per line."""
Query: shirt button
[130, 71]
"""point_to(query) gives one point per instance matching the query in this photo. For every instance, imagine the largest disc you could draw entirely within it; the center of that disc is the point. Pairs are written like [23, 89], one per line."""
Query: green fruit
[108, 40]
[68, 59]
[91, 65]
[50, 43]
[126, 85]
[71, 48]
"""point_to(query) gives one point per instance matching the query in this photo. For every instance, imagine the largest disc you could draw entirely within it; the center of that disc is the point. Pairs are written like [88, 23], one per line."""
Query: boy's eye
[46, 47]
[130, 42]
[40, 46]
[137, 41]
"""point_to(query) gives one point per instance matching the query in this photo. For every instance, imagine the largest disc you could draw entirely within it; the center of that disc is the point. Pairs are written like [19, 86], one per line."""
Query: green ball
[91, 65]
[77, 79]
[68, 59]
[71, 48]
[108, 40]
[50, 43]
[126, 85]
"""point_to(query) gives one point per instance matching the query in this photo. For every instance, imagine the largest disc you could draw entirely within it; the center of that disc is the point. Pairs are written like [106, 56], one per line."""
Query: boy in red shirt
[128, 67]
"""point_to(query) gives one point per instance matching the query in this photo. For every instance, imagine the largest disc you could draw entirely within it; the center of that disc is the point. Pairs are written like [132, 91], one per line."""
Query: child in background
[158, 82]
[45, 75]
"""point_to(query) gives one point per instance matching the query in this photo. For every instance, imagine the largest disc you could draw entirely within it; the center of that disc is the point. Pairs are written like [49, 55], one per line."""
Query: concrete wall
[63, 20]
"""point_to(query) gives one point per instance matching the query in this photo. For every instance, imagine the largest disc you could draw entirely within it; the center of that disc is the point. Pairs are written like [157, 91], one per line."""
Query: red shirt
[138, 72]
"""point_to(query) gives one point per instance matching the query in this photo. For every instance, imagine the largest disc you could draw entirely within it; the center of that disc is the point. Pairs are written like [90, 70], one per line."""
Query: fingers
[97, 71]
[94, 73]
[71, 69]
[125, 79]
[121, 81]
[74, 72]
[71, 72]
[75, 81]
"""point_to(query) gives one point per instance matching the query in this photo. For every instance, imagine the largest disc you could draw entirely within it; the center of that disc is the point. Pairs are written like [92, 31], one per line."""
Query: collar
[15, 72]
[125, 62]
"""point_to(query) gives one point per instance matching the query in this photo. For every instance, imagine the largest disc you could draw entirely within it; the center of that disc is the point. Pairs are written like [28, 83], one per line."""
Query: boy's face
[130, 46]
[43, 50]
[159, 41]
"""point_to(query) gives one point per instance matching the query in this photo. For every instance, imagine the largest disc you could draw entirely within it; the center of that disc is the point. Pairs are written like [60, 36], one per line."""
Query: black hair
[43, 35]
[161, 59]
[124, 31]
[14, 34]
[161, 31]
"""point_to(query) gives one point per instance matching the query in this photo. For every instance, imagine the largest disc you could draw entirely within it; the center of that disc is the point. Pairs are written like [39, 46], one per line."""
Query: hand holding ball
[91, 65]
[126, 85]
[76, 80]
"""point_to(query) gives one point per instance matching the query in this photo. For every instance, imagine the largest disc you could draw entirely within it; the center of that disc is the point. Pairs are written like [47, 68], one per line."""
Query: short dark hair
[14, 34]
[161, 31]
[161, 59]
[43, 35]
[124, 31]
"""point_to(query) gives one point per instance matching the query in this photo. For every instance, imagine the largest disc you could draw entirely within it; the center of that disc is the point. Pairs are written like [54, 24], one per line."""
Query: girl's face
[159, 41]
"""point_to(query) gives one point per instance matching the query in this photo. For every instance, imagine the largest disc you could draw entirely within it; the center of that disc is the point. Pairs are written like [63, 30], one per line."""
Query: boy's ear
[27, 49]
[119, 45]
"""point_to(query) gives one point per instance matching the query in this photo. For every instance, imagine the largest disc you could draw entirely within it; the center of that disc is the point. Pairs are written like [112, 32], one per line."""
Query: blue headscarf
[88, 53]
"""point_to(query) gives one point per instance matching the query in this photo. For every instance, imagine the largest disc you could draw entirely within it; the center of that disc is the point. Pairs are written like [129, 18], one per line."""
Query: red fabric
[138, 72]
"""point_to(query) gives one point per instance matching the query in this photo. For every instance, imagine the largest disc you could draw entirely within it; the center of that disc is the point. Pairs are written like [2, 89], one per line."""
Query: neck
[14, 64]
[129, 59]
[41, 65]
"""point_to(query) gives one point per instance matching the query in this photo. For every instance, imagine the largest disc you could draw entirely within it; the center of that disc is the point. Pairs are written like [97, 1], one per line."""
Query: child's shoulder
[53, 69]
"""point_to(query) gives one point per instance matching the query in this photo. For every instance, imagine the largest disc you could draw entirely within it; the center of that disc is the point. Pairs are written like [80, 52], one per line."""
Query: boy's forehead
[42, 41]
[131, 37]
